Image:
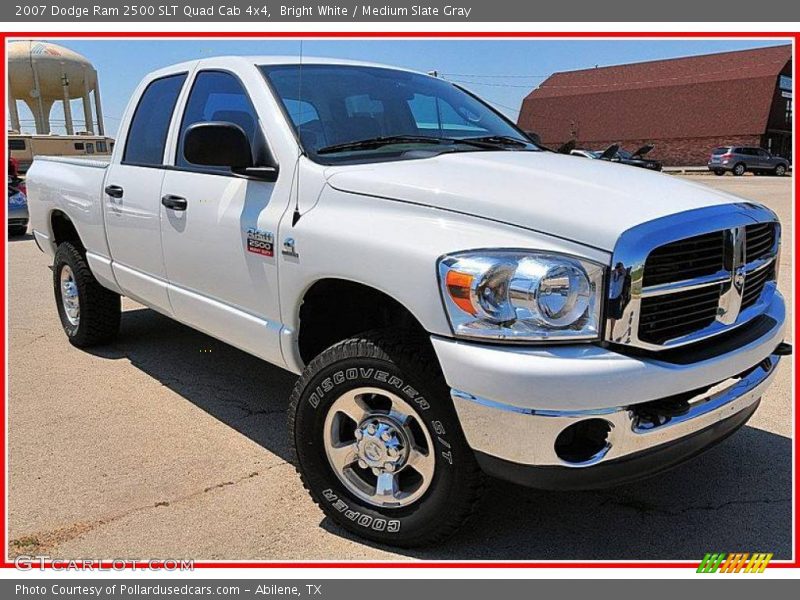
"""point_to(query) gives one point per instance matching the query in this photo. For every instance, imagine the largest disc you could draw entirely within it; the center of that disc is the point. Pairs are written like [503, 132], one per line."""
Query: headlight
[522, 296]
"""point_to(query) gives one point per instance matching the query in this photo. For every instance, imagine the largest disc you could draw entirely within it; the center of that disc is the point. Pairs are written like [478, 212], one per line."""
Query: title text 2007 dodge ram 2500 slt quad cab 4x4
[454, 298]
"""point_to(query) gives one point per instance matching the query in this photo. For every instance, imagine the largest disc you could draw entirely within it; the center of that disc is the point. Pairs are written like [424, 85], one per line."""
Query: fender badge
[260, 242]
[288, 248]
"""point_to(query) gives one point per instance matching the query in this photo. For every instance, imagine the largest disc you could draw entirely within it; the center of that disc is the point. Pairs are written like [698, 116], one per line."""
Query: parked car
[17, 202]
[616, 154]
[741, 159]
[452, 298]
[637, 159]
[585, 153]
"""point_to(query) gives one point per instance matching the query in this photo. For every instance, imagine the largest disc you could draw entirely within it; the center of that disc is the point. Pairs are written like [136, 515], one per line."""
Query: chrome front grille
[673, 315]
[760, 240]
[685, 259]
[754, 285]
[674, 282]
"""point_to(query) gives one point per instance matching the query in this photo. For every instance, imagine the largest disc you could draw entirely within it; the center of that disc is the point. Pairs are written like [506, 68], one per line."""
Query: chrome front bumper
[528, 436]
[513, 403]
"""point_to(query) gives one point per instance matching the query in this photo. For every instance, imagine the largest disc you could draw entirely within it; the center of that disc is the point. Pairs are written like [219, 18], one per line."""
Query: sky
[501, 72]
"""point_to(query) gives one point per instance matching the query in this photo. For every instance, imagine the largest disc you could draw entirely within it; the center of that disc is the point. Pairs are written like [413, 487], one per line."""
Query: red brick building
[683, 106]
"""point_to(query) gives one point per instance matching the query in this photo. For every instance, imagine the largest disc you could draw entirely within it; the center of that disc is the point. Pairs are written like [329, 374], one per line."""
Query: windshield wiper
[489, 142]
[496, 140]
[379, 141]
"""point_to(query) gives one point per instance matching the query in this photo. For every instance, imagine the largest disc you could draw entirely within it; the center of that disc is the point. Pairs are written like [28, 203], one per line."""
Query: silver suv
[739, 159]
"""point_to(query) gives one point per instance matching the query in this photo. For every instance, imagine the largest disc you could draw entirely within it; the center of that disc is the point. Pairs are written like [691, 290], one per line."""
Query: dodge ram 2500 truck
[455, 299]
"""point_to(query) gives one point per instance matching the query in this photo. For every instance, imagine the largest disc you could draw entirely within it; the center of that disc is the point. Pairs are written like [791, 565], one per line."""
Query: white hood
[588, 201]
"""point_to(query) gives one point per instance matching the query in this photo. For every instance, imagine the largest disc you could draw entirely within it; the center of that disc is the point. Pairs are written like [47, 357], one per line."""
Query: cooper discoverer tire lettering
[378, 444]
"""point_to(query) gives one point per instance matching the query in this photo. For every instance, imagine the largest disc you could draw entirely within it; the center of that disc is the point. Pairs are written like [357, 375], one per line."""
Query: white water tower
[41, 73]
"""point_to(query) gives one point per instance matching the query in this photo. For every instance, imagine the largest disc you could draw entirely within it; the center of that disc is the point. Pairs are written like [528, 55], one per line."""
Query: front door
[218, 231]
[133, 196]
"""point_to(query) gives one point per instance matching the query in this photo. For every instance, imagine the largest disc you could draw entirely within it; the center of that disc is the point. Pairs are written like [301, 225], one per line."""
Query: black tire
[719, 172]
[780, 170]
[406, 366]
[100, 308]
[739, 169]
[17, 230]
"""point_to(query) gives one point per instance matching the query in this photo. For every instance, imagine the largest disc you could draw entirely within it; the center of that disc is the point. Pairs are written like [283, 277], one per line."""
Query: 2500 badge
[260, 242]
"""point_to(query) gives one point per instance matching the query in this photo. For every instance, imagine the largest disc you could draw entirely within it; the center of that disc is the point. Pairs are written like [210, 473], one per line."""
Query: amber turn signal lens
[458, 286]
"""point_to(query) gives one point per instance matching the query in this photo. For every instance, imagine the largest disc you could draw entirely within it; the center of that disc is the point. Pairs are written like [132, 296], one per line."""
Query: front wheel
[89, 313]
[378, 443]
[780, 170]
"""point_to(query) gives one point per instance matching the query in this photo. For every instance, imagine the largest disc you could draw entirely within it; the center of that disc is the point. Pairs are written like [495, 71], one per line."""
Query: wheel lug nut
[376, 471]
[362, 463]
[371, 429]
[386, 436]
[388, 467]
[392, 452]
[359, 434]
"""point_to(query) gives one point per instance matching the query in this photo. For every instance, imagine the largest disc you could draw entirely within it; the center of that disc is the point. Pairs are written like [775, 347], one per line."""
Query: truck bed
[99, 162]
[72, 185]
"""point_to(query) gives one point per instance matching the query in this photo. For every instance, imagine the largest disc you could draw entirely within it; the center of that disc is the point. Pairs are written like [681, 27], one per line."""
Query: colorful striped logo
[741, 562]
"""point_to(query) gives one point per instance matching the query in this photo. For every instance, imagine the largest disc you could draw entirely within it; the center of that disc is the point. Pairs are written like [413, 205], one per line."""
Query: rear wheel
[739, 169]
[719, 172]
[378, 442]
[780, 170]
[89, 313]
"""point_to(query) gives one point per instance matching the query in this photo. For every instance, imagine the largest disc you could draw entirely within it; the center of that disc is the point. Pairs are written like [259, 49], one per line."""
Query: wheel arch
[335, 308]
[62, 229]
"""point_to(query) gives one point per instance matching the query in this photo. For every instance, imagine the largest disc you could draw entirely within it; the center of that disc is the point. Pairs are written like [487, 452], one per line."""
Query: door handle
[114, 191]
[174, 202]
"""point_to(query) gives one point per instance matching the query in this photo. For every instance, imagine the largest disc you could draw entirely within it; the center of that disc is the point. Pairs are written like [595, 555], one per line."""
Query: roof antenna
[296, 214]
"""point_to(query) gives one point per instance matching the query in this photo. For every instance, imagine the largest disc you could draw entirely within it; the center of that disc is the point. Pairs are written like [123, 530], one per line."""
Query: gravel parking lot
[170, 444]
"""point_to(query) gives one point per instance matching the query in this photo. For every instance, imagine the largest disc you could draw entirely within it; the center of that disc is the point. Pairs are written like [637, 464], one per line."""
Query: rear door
[132, 199]
[764, 159]
[219, 250]
[749, 157]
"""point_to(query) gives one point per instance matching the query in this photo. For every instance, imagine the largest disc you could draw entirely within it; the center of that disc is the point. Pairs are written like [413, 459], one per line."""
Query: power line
[503, 85]
[478, 75]
[737, 68]
[492, 102]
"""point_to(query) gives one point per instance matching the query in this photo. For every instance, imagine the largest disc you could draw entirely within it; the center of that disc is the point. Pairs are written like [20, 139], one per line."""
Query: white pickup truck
[455, 299]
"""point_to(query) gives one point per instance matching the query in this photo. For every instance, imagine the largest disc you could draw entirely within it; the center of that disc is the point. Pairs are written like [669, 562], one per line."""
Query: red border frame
[795, 563]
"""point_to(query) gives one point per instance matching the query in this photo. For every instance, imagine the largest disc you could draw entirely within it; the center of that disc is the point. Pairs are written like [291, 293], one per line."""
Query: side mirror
[224, 144]
[217, 144]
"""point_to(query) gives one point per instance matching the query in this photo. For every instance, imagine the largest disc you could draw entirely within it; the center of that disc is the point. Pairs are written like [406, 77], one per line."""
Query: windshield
[403, 114]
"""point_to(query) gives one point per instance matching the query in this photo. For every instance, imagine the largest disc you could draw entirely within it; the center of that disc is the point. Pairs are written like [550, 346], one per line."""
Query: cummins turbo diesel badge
[260, 242]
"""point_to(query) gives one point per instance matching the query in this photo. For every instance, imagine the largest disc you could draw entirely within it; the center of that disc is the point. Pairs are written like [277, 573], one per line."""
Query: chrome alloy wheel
[69, 296]
[378, 447]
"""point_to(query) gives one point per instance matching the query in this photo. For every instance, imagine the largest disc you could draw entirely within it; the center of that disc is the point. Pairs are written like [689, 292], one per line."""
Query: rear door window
[147, 135]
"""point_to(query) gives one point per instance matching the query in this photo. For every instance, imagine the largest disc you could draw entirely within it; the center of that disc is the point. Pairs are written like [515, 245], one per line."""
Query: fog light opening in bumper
[584, 441]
